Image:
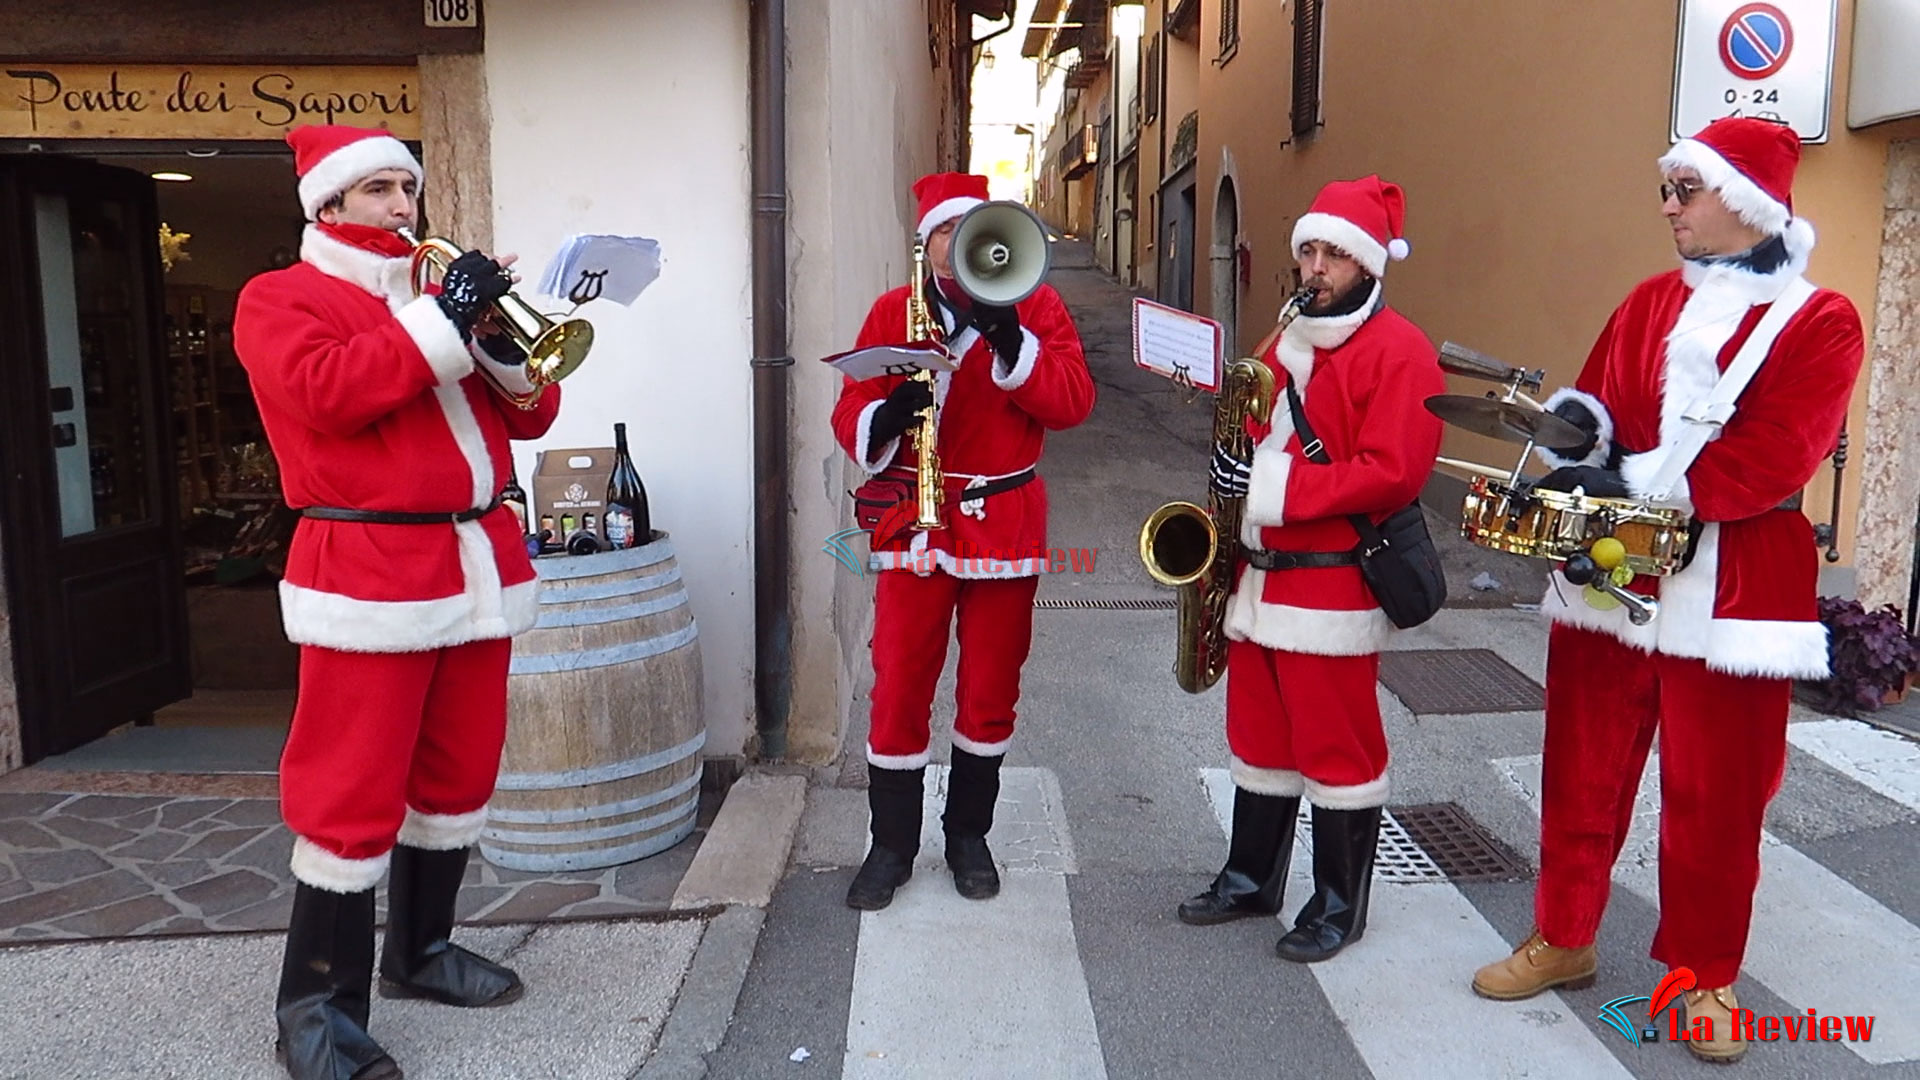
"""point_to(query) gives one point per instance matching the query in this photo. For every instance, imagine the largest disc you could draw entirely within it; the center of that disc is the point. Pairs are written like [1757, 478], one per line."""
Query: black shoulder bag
[1398, 558]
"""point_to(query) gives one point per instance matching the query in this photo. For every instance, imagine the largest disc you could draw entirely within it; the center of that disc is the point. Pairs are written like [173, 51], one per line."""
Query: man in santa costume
[1712, 671]
[1304, 629]
[1021, 374]
[405, 579]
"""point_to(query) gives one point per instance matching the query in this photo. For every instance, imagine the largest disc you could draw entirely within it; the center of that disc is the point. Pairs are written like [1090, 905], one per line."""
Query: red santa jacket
[1363, 380]
[370, 401]
[989, 427]
[1747, 604]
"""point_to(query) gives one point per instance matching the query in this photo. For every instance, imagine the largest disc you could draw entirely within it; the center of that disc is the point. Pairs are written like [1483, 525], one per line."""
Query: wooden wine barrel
[604, 724]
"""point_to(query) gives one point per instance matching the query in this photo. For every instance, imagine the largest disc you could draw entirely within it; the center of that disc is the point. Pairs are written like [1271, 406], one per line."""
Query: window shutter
[1306, 65]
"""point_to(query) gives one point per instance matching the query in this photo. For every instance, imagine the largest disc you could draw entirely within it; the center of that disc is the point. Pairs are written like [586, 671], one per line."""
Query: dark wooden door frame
[44, 655]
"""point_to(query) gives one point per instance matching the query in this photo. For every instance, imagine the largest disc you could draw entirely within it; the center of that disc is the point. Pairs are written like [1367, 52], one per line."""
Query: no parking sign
[1740, 58]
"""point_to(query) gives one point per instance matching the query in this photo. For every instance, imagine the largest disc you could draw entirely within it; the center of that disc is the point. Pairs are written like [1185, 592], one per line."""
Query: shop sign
[186, 101]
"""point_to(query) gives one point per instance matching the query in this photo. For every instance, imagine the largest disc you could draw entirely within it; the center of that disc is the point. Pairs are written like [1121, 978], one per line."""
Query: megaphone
[1001, 253]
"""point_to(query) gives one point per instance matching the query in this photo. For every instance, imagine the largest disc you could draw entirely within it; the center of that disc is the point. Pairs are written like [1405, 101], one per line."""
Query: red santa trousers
[1723, 753]
[911, 619]
[1306, 724]
[391, 746]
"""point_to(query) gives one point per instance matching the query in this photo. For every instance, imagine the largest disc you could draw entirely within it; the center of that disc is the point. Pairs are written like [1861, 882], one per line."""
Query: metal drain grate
[1453, 843]
[1458, 681]
[1109, 605]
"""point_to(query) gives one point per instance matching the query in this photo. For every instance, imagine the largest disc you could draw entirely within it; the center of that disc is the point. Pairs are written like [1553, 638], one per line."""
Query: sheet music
[878, 360]
[600, 267]
[1178, 344]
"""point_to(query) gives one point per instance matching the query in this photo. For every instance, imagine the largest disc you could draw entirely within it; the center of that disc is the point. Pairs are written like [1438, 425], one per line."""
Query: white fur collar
[1745, 286]
[380, 275]
[1332, 331]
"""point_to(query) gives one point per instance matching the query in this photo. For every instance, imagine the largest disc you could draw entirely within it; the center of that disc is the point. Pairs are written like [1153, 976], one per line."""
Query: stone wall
[1890, 486]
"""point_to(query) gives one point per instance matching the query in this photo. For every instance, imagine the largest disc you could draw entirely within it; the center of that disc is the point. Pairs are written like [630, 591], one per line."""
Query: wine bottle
[629, 524]
[515, 498]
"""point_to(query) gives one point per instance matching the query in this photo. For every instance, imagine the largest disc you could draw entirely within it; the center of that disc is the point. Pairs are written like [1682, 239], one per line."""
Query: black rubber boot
[325, 978]
[1255, 877]
[893, 804]
[1336, 915]
[973, 787]
[418, 960]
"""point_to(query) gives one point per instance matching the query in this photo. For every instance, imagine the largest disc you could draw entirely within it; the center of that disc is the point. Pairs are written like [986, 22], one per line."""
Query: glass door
[91, 543]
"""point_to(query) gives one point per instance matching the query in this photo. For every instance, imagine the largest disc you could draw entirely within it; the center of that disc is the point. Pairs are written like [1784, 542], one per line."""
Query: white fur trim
[1285, 783]
[945, 210]
[1602, 446]
[1350, 797]
[1344, 235]
[1769, 648]
[346, 167]
[863, 444]
[472, 443]
[1266, 503]
[982, 749]
[1316, 631]
[336, 621]
[1023, 367]
[383, 276]
[442, 832]
[899, 761]
[511, 377]
[1744, 197]
[436, 338]
[322, 869]
[1639, 470]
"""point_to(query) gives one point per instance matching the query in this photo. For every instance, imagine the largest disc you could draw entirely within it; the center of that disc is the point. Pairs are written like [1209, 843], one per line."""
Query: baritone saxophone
[929, 482]
[1197, 550]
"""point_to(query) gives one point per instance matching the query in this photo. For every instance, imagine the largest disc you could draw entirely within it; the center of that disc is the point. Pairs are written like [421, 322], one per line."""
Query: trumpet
[551, 350]
[1196, 550]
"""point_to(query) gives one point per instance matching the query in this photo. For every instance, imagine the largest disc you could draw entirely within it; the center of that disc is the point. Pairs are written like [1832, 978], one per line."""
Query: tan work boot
[1726, 1046]
[1536, 966]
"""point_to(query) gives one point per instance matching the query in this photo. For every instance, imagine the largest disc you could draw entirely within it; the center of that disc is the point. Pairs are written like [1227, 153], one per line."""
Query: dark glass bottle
[628, 523]
[515, 498]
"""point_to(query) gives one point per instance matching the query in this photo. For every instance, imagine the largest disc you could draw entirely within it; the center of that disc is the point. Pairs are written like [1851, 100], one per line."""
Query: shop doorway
[145, 545]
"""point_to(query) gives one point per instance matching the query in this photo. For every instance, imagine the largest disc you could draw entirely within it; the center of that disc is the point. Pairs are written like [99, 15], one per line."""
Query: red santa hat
[945, 196]
[330, 158]
[1749, 162]
[1363, 218]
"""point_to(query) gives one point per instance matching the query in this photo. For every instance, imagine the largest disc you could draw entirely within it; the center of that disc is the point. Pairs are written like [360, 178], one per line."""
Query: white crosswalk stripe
[949, 987]
[1422, 944]
[1879, 759]
[1816, 941]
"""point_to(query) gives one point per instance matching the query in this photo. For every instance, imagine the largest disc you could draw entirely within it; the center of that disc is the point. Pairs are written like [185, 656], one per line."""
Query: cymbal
[1506, 421]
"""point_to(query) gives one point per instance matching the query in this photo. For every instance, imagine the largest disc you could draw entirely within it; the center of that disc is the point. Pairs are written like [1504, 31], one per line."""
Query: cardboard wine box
[571, 484]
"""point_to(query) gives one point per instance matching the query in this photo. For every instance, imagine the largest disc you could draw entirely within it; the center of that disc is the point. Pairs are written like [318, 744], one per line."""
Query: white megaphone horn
[1001, 253]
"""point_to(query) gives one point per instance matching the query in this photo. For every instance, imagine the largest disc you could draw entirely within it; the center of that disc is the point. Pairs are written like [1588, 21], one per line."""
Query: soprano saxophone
[929, 482]
[1196, 550]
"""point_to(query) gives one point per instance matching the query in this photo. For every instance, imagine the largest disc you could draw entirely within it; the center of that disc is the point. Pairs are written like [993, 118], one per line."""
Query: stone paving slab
[93, 865]
[598, 995]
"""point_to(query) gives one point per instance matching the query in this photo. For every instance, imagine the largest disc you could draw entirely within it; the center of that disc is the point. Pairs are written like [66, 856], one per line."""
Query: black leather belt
[397, 517]
[1261, 559]
[991, 487]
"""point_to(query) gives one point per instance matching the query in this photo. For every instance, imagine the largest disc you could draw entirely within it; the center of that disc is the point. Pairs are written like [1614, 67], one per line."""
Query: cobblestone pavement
[76, 866]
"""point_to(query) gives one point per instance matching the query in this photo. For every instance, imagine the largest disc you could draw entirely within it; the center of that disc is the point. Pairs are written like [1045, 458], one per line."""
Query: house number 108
[451, 12]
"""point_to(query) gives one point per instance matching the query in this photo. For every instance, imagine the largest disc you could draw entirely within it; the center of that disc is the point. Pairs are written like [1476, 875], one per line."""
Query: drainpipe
[773, 623]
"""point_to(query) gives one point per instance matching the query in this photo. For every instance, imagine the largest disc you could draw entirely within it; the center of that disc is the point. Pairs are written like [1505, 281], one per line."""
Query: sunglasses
[1683, 191]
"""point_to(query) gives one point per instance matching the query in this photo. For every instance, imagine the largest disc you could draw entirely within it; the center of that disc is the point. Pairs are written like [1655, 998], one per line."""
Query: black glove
[896, 414]
[1598, 482]
[1001, 327]
[1229, 476]
[472, 283]
[1577, 414]
[500, 349]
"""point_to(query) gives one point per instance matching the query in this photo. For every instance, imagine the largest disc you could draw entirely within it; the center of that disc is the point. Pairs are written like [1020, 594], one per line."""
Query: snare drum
[1558, 524]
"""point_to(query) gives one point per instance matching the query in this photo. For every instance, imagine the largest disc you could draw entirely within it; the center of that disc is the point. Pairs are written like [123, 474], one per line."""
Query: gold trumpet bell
[553, 349]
